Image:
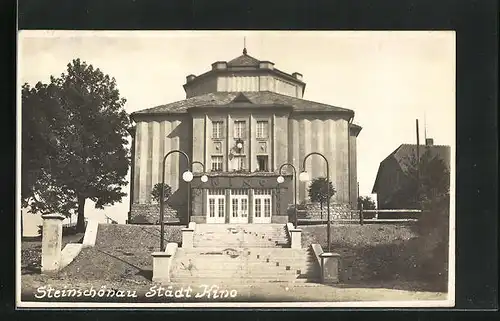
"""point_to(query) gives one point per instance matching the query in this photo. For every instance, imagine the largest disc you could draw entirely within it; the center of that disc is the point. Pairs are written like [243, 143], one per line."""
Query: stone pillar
[162, 263]
[329, 267]
[188, 237]
[51, 242]
[296, 238]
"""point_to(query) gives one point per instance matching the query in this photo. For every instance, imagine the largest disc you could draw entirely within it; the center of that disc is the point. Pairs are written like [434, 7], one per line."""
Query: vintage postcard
[236, 169]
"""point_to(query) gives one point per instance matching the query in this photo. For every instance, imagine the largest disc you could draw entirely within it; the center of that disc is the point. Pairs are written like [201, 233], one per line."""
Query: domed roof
[244, 73]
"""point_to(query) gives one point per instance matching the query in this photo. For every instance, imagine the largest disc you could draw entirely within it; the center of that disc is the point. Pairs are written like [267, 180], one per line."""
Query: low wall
[313, 211]
[162, 263]
[317, 250]
[150, 214]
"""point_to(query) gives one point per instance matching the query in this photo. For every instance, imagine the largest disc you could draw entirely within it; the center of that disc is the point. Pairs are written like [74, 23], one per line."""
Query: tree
[318, 191]
[367, 201]
[428, 188]
[83, 134]
[156, 192]
[427, 181]
[43, 122]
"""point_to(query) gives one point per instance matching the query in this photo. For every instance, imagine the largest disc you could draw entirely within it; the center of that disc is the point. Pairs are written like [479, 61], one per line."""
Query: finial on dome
[244, 45]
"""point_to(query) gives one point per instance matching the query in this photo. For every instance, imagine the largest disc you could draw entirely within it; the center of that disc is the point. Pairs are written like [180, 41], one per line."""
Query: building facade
[242, 119]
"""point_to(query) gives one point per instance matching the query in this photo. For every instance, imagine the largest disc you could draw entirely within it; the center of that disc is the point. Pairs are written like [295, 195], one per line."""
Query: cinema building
[242, 120]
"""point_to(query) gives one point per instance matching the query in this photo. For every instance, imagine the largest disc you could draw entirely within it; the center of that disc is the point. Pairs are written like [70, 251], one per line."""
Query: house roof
[403, 153]
[260, 99]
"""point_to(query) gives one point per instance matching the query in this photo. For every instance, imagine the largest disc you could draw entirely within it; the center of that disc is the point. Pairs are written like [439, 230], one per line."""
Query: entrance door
[262, 206]
[239, 206]
[216, 207]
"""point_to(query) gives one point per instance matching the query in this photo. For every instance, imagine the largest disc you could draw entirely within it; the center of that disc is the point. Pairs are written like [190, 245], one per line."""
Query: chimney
[219, 65]
[266, 65]
[297, 75]
[429, 141]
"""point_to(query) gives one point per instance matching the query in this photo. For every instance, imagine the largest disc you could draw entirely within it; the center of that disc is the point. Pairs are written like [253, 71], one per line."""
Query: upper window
[217, 129]
[262, 129]
[239, 129]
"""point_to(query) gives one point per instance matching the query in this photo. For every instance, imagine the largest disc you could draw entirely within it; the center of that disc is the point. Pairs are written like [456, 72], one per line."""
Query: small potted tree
[156, 194]
[318, 192]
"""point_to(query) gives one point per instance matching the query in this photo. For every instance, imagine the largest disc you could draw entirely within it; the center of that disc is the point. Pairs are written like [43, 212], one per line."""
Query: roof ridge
[241, 57]
[306, 100]
[266, 97]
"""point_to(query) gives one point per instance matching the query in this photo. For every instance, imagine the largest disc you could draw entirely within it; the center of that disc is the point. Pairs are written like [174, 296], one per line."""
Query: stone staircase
[243, 253]
[241, 235]
[244, 265]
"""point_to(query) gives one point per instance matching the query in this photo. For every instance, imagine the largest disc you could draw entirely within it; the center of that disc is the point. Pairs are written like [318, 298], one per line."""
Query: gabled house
[392, 173]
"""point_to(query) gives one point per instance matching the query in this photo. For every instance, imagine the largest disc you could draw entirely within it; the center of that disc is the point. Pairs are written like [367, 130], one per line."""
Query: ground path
[255, 292]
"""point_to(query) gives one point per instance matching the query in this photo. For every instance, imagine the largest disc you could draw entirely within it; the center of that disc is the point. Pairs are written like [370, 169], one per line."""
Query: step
[236, 275]
[219, 281]
[209, 266]
[241, 275]
[267, 238]
[239, 248]
[216, 261]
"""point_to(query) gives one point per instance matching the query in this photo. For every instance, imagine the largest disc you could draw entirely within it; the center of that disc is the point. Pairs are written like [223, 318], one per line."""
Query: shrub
[318, 191]
[155, 193]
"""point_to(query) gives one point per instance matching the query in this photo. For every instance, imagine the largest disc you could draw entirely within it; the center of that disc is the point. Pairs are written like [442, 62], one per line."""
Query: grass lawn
[378, 254]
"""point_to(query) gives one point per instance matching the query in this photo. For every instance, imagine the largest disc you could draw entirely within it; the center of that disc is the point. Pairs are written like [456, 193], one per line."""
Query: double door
[239, 206]
[216, 212]
[262, 206]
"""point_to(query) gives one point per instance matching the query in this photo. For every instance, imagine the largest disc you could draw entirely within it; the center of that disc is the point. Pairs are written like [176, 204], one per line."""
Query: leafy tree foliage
[75, 134]
[43, 123]
[156, 192]
[318, 191]
[427, 182]
[367, 201]
[428, 188]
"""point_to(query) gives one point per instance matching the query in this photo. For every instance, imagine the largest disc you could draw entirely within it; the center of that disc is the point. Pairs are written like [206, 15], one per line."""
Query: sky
[389, 78]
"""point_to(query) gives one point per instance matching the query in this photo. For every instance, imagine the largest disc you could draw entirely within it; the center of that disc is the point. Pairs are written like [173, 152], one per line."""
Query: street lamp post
[281, 179]
[187, 176]
[305, 177]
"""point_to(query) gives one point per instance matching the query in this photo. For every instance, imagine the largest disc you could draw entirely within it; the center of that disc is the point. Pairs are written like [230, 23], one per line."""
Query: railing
[375, 219]
[377, 211]
[67, 225]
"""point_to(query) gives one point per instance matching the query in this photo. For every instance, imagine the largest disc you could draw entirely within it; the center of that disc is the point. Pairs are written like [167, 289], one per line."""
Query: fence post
[361, 214]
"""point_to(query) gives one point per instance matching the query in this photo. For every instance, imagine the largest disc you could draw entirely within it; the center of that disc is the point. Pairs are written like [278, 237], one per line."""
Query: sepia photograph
[177, 169]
